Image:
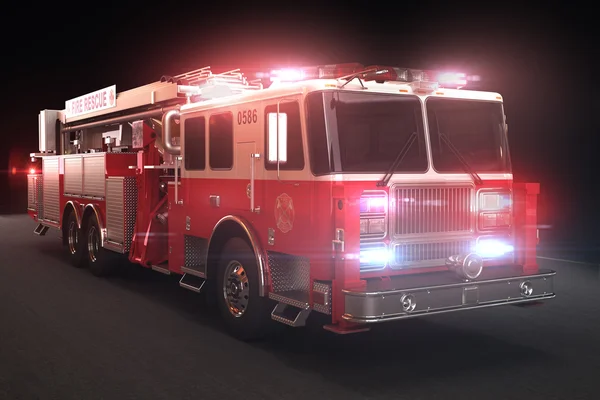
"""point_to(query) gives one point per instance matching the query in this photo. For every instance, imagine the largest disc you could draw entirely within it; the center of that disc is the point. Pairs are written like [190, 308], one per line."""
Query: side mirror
[277, 137]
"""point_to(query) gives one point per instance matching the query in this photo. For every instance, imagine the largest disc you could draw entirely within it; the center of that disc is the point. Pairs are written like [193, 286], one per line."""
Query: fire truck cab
[368, 194]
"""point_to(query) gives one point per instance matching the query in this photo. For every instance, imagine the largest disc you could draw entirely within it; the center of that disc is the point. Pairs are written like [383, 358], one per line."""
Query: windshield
[474, 128]
[365, 132]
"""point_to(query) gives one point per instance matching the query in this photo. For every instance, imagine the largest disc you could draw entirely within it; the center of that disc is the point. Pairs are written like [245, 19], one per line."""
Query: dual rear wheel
[84, 246]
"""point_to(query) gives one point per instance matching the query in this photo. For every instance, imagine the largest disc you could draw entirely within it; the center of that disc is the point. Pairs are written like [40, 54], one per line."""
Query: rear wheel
[74, 241]
[101, 262]
[246, 314]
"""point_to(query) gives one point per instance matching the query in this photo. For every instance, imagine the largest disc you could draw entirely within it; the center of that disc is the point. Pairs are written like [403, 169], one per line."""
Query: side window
[220, 141]
[195, 144]
[291, 153]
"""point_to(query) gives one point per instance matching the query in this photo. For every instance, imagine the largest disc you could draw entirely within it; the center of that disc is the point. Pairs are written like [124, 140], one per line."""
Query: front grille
[427, 210]
[427, 254]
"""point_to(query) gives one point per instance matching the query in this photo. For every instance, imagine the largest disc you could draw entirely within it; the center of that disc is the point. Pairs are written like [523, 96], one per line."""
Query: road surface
[65, 334]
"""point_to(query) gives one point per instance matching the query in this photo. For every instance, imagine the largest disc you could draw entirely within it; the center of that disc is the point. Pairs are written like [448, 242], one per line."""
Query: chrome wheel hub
[236, 289]
[73, 237]
[92, 243]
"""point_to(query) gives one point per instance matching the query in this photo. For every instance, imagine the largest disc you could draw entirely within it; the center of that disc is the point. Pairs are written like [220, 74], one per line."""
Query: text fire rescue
[95, 101]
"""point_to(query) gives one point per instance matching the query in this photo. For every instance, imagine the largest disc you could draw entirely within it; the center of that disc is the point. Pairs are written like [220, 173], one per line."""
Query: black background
[541, 58]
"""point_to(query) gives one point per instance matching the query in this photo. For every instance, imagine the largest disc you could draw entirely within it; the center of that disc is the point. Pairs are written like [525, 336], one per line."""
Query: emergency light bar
[331, 71]
[425, 80]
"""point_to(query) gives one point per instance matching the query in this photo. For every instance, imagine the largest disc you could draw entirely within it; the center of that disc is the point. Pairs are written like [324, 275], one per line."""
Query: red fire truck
[368, 194]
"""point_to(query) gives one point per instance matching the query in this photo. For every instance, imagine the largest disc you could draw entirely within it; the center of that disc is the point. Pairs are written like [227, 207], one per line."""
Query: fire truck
[367, 194]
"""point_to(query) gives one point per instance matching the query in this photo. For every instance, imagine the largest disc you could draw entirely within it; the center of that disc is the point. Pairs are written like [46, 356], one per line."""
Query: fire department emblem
[111, 97]
[284, 212]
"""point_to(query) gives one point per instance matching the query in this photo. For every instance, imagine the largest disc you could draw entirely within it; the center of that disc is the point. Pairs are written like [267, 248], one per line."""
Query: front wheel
[246, 314]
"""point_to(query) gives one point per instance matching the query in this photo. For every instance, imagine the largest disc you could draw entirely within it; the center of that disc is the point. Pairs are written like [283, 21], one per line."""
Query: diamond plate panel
[115, 210]
[288, 272]
[130, 204]
[31, 192]
[39, 190]
[325, 289]
[195, 250]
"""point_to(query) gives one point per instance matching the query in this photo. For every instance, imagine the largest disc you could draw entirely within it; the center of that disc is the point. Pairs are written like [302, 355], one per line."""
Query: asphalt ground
[65, 334]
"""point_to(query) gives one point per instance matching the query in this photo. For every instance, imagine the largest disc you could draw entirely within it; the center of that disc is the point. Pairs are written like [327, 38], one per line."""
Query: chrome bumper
[440, 292]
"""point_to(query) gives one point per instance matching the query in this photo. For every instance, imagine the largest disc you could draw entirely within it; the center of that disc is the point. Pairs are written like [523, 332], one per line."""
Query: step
[192, 282]
[296, 298]
[162, 268]
[290, 315]
[41, 229]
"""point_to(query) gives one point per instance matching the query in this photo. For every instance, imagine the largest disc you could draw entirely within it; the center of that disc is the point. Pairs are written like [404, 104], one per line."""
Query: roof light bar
[329, 71]
[424, 80]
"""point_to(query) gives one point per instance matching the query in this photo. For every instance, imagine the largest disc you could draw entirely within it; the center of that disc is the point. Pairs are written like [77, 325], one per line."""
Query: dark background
[540, 58]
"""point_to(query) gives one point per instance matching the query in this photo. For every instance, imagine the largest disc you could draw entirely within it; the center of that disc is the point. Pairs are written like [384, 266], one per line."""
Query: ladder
[196, 85]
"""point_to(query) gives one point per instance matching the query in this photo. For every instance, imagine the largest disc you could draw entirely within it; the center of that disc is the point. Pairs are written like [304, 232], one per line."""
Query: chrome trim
[194, 272]
[389, 305]
[77, 213]
[368, 320]
[114, 246]
[254, 242]
[167, 139]
[450, 285]
[452, 242]
[430, 236]
[99, 220]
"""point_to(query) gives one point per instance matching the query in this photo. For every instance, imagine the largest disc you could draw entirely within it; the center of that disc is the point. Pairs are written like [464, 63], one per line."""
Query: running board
[41, 229]
[192, 282]
[161, 269]
[290, 315]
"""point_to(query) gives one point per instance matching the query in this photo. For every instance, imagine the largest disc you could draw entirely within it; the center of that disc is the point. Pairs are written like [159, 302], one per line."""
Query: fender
[94, 208]
[254, 242]
[76, 209]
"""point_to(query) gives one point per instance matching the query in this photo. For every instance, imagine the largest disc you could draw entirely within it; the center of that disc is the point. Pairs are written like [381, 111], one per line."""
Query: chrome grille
[427, 254]
[425, 210]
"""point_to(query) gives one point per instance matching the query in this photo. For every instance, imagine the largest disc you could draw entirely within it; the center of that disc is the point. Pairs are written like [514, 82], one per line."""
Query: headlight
[492, 247]
[374, 255]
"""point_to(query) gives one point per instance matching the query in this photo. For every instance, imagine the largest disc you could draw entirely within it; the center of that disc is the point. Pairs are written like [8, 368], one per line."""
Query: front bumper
[439, 292]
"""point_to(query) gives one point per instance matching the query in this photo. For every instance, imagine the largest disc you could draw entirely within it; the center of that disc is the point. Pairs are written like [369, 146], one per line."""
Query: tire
[74, 242]
[101, 262]
[246, 314]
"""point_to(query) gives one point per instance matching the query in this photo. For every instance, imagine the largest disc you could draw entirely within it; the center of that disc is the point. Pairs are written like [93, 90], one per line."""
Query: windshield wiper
[476, 178]
[401, 154]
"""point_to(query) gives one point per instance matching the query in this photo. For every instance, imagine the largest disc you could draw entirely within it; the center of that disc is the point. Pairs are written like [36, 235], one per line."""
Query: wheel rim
[236, 289]
[73, 237]
[92, 243]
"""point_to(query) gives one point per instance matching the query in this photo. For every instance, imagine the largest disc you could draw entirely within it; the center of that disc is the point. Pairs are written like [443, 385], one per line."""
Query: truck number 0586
[247, 117]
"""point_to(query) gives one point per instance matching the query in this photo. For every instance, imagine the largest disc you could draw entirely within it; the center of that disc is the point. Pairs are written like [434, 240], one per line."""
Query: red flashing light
[330, 71]
[14, 170]
[434, 78]
[32, 170]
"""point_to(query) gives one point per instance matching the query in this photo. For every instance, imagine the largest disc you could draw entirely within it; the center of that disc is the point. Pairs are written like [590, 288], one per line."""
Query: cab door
[249, 174]
[288, 195]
